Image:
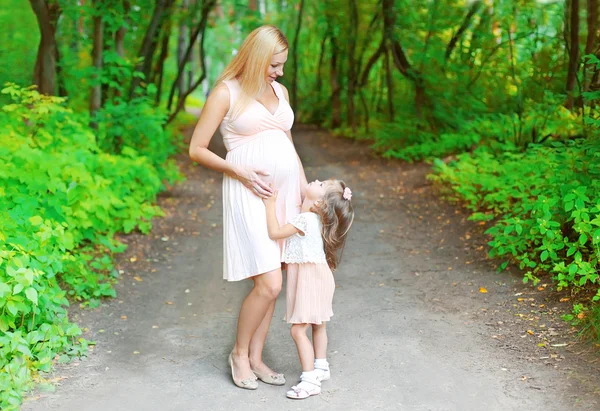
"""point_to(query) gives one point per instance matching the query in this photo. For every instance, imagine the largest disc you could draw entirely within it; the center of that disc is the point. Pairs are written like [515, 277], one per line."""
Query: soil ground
[423, 321]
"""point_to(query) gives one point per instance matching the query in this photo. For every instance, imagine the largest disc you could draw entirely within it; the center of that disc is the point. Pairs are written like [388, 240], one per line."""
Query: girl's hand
[250, 178]
[272, 199]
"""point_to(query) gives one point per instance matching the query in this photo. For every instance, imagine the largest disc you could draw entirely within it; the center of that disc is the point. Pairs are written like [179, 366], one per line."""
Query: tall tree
[590, 43]
[295, 55]
[199, 32]
[161, 11]
[47, 13]
[98, 46]
[399, 57]
[573, 48]
[352, 69]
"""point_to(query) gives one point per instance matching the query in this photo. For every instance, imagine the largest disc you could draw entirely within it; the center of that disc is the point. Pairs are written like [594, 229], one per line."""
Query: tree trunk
[336, 104]
[573, 47]
[181, 45]
[98, 41]
[352, 63]
[399, 57]
[463, 27]
[319, 85]
[160, 69]
[200, 28]
[44, 76]
[121, 31]
[150, 40]
[390, 87]
[295, 56]
[372, 60]
[592, 28]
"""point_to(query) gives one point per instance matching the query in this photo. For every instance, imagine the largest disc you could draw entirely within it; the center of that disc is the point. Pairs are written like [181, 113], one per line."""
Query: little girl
[315, 237]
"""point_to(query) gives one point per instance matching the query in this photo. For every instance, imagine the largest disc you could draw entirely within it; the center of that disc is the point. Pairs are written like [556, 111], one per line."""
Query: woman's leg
[305, 348]
[253, 311]
[319, 336]
[257, 343]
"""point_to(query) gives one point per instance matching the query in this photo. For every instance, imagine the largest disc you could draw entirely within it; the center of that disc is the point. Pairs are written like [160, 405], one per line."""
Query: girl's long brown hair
[337, 215]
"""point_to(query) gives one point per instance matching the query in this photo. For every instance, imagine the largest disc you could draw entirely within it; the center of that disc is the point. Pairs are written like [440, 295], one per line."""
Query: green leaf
[32, 295]
[36, 220]
[544, 255]
[12, 307]
[4, 289]
[17, 289]
[583, 239]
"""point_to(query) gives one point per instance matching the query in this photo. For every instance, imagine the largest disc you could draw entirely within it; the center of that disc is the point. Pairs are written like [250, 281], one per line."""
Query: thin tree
[98, 45]
[161, 10]
[45, 72]
[295, 56]
[573, 49]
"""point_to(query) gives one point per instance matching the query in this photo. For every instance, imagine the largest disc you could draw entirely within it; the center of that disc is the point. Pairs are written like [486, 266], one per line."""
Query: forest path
[412, 328]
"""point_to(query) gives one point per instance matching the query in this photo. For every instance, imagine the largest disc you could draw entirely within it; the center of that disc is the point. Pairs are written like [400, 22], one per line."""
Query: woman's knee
[268, 284]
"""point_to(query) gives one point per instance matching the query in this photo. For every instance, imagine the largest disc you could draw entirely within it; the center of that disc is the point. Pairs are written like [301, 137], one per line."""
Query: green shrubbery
[62, 199]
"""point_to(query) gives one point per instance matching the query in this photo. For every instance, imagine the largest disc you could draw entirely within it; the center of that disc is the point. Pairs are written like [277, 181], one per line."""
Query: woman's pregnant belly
[272, 152]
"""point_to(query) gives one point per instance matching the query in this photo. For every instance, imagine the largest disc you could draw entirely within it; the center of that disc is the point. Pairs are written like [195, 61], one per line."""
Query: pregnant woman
[255, 119]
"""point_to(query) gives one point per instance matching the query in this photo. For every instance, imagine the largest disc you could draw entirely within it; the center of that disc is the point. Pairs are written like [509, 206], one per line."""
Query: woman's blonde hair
[337, 216]
[251, 63]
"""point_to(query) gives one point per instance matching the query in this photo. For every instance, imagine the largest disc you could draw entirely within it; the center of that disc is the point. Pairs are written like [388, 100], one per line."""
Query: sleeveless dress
[310, 282]
[257, 138]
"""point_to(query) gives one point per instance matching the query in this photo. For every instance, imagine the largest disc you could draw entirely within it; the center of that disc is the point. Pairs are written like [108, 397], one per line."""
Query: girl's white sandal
[306, 388]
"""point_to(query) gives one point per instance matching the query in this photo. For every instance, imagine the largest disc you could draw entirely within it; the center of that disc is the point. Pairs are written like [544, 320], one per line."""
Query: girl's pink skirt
[309, 293]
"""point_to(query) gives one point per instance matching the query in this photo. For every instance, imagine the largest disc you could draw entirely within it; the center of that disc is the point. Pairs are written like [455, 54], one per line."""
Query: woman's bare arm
[212, 115]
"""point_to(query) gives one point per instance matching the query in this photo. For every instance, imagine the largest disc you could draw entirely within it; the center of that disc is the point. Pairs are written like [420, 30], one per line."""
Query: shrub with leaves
[62, 200]
[544, 203]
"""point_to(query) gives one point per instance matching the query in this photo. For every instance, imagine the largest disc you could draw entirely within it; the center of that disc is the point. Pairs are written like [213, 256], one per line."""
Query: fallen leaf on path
[169, 302]
[155, 326]
[133, 259]
[564, 299]
[123, 317]
[530, 332]
[136, 352]
[138, 278]
[483, 290]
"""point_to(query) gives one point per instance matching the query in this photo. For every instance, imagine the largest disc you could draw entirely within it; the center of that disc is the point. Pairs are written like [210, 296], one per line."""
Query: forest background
[500, 96]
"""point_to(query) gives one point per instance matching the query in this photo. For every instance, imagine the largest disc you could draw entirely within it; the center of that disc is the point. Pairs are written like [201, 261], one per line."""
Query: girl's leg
[253, 311]
[309, 384]
[319, 336]
[305, 348]
[257, 343]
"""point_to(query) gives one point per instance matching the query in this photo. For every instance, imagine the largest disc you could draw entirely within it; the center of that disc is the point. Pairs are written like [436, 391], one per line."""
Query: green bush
[62, 200]
[544, 203]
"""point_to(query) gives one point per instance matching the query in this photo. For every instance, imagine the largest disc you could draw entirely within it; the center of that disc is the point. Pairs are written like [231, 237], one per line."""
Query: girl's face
[276, 66]
[317, 189]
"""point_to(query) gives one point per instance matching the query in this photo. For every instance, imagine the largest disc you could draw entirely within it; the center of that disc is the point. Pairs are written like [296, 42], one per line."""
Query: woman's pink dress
[257, 138]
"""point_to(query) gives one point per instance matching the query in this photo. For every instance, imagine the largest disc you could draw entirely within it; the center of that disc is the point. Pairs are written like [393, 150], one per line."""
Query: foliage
[62, 201]
[544, 203]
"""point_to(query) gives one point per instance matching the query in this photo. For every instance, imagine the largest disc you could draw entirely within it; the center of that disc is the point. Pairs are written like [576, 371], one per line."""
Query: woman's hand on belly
[250, 178]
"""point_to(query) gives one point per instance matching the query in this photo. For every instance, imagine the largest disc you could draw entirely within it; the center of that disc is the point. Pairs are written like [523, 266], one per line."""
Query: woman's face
[276, 66]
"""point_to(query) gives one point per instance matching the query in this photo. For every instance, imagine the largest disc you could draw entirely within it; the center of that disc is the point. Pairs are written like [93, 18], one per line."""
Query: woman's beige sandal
[248, 383]
[273, 379]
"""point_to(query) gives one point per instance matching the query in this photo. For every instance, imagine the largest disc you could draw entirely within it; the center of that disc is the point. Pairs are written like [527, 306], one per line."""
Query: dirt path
[411, 330]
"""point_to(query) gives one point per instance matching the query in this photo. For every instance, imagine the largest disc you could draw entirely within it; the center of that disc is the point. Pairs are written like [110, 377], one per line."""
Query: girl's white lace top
[307, 248]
